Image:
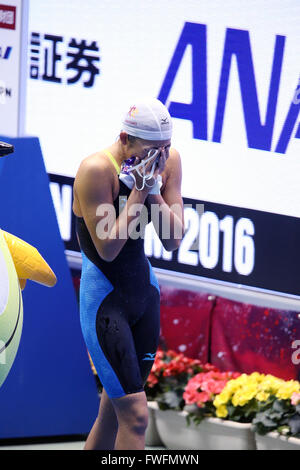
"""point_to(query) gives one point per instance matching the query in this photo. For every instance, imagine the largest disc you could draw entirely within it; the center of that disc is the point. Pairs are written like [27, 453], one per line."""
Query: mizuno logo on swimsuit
[149, 357]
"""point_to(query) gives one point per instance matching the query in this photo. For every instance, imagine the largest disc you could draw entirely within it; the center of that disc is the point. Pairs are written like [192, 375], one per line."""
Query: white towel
[128, 180]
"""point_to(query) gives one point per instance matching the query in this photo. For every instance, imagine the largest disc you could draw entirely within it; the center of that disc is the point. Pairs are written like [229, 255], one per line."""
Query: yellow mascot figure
[19, 261]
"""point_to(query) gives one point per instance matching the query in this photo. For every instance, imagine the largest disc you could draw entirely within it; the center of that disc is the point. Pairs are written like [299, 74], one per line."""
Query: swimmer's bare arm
[94, 190]
[170, 228]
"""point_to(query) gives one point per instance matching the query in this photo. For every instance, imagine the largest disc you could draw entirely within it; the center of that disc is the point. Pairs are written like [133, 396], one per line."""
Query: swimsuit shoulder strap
[113, 160]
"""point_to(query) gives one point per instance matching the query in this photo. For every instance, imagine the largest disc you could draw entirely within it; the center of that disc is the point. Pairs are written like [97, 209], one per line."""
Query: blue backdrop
[50, 389]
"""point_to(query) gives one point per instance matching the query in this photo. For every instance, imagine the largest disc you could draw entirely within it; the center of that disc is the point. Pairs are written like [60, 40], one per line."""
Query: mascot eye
[4, 284]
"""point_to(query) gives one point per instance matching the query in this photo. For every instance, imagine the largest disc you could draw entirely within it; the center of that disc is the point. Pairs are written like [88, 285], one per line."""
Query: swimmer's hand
[162, 160]
[159, 167]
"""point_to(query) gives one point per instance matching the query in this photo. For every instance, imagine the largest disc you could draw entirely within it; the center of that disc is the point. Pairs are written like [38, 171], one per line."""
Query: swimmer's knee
[132, 412]
[138, 421]
[140, 425]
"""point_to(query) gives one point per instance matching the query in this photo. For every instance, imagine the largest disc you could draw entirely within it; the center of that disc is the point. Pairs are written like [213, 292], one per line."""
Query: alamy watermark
[296, 354]
[296, 99]
[160, 217]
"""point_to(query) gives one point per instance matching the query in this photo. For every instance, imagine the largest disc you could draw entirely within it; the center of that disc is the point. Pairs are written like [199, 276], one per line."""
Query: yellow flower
[271, 384]
[248, 391]
[238, 399]
[287, 389]
[256, 377]
[217, 401]
[222, 398]
[262, 396]
[242, 379]
[250, 387]
[231, 386]
[221, 411]
[244, 388]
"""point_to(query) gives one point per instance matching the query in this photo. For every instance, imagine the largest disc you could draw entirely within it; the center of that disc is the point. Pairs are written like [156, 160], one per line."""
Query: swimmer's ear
[124, 137]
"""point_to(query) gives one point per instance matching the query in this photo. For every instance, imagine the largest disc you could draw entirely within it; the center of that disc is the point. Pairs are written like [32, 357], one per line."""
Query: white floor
[56, 446]
[47, 446]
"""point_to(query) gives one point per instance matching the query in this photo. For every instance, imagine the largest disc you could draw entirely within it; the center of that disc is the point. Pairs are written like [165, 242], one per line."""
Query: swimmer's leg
[104, 431]
[132, 414]
[132, 409]
[145, 334]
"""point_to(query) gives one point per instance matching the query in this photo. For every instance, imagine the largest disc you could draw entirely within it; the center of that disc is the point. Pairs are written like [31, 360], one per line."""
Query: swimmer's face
[140, 148]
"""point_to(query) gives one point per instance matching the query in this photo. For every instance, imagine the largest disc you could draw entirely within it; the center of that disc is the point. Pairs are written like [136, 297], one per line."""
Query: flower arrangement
[201, 391]
[244, 399]
[169, 375]
[180, 383]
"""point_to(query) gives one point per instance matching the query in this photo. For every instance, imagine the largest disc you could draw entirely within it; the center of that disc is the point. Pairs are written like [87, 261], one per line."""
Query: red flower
[204, 386]
[203, 397]
[152, 380]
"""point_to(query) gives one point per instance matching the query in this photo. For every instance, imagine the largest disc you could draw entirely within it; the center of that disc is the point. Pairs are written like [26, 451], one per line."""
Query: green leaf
[260, 429]
[268, 422]
[263, 419]
[231, 410]
[294, 424]
[284, 430]
[250, 409]
[275, 416]
[191, 408]
[281, 406]
[298, 408]
[162, 406]
[197, 419]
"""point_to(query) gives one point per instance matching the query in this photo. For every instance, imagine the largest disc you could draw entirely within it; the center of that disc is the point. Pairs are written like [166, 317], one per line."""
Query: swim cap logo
[132, 111]
[164, 121]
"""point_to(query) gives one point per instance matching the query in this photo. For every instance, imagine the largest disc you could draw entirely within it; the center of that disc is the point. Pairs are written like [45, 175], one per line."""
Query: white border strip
[23, 68]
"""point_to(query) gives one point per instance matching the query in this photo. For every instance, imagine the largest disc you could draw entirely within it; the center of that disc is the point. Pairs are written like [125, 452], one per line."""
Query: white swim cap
[148, 119]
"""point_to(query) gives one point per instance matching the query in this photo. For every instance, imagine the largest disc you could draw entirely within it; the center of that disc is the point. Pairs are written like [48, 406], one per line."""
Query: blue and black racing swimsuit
[119, 310]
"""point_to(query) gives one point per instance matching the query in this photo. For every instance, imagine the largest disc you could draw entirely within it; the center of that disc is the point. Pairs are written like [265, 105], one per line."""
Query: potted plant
[251, 398]
[168, 377]
[277, 425]
[165, 387]
[196, 427]
[242, 398]
[201, 391]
